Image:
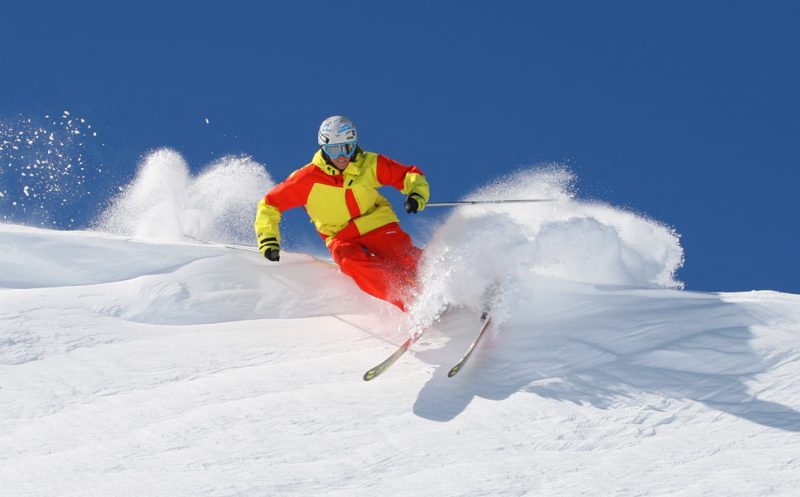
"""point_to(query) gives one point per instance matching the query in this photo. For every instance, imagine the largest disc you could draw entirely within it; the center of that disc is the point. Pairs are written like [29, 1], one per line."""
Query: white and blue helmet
[336, 130]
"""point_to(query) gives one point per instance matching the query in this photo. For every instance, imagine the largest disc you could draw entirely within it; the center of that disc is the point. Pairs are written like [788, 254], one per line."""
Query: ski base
[380, 368]
[373, 373]
[485, 320]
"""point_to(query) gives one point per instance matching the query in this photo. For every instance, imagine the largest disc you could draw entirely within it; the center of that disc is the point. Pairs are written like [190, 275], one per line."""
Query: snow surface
[134, 361]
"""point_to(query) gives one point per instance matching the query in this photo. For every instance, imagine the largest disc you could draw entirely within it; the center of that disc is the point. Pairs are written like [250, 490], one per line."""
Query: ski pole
[481, 202]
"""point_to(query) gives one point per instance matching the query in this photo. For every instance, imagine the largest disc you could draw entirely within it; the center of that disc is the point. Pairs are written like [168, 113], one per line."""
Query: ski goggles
[337, 150]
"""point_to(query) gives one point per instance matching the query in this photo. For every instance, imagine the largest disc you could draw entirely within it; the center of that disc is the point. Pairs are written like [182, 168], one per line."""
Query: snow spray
[590, 242]
[165, 201]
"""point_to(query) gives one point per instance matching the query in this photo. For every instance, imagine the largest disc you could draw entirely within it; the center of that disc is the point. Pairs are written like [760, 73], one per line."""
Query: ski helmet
[337, 129]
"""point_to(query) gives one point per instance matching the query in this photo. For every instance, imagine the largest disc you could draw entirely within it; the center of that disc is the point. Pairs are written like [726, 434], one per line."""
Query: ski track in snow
[144, 367]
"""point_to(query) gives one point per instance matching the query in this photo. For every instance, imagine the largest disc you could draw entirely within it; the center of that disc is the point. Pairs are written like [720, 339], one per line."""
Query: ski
[380, 368]
[419, 329]
[373, 373]
[485, 320]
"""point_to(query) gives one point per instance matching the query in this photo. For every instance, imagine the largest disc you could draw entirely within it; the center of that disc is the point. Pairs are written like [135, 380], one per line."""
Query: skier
[339, 192]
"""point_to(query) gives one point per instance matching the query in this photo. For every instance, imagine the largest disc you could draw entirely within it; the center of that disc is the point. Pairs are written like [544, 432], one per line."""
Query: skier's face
[341, 162]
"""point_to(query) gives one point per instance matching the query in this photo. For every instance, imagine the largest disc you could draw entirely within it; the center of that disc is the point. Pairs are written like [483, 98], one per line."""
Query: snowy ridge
[140, 363]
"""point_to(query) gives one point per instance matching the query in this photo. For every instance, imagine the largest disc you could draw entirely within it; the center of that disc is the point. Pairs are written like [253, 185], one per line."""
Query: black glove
[273, 254]
[413, 203]
[270, 247]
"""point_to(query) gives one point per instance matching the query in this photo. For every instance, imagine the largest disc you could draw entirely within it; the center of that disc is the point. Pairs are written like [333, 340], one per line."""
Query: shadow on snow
[675, 345]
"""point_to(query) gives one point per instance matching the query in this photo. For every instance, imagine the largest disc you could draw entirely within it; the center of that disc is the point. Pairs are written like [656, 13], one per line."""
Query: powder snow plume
[165, 201]
[567, 239]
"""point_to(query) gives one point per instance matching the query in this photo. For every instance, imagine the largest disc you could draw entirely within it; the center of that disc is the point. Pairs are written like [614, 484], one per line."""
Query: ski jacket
[342, 204]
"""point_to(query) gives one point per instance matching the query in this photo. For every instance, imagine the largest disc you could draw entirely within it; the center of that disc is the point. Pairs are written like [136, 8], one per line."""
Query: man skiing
[339, 192]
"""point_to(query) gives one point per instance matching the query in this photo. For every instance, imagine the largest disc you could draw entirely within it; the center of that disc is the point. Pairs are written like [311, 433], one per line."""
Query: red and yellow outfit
[357, 223]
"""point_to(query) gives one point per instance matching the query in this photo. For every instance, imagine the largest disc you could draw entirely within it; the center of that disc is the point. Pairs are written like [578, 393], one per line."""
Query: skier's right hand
[273, 254]
[270, 247]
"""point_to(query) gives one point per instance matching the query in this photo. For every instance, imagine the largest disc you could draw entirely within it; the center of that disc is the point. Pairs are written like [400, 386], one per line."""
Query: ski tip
[369, 375]
[455, 369]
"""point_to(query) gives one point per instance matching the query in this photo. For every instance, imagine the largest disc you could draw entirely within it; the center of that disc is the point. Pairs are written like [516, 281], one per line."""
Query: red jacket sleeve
[293, 192]
[392, 173]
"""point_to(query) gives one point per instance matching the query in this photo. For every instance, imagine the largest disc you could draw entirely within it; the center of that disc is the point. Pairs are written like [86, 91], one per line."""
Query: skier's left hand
[414, 203]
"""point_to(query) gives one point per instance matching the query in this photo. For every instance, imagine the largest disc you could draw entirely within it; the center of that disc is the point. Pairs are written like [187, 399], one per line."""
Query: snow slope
[153, 368]
[141, 364]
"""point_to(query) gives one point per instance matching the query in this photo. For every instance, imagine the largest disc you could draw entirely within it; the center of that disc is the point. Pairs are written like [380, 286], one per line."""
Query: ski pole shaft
[482, 202]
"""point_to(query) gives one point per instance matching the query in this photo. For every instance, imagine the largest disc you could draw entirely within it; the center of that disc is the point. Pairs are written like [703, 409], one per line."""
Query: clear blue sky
[684, 111]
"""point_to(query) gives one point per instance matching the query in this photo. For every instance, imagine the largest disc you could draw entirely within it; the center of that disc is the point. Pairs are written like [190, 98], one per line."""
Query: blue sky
[686, 112]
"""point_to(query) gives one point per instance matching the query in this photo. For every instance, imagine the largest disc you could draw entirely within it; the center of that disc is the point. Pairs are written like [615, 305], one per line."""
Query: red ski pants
[383, 262]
